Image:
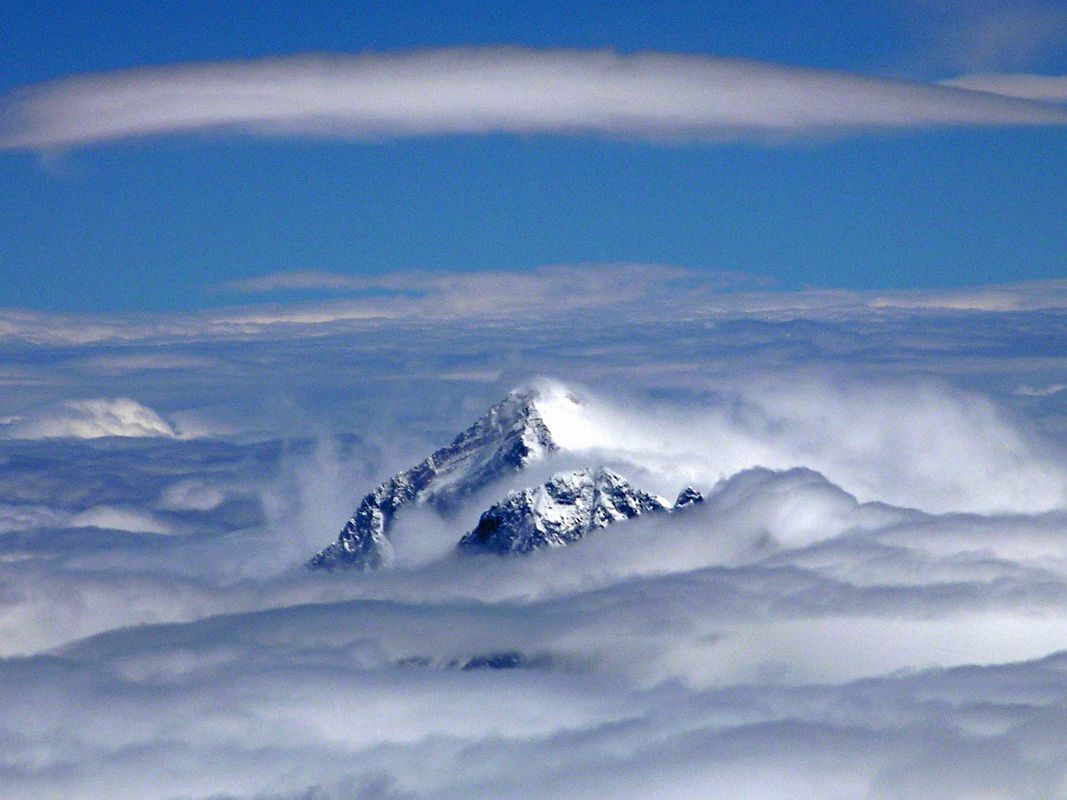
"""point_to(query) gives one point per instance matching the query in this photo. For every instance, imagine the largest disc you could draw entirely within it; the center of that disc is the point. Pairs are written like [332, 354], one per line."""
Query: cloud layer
[657, 96]
[722, 655]
[631, 292]
[870, 605]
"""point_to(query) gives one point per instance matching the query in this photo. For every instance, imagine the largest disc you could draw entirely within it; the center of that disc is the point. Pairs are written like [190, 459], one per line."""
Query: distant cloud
[119, 519]
[299, 280]
[1022, 296]
[985, 35]
[633, 291]
[89, 419]
[1040, 391]
[583, 286]
[652, 96]
[492, 292]
[991, 34]
[1047, 88]
[139, 362]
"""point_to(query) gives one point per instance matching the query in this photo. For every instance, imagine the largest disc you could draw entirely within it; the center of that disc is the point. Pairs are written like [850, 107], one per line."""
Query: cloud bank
[652, 96]
[562, 292]
[870, 604]
[89, 419]
[786, 641]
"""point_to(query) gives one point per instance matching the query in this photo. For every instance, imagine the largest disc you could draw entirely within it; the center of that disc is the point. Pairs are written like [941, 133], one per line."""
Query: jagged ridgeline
[563, 510]
[510, 436]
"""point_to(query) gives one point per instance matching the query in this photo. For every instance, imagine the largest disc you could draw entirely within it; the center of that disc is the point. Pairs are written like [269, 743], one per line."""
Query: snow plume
[655, 96]
[920, 444]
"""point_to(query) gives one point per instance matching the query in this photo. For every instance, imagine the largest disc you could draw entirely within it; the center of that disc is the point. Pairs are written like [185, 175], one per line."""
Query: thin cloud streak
[649, 96]
[648, 292]
[297, 280]
[1046, 88]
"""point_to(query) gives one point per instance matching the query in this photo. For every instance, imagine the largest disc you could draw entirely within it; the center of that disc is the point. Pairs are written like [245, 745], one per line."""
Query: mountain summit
[509, 436]
[559, 512]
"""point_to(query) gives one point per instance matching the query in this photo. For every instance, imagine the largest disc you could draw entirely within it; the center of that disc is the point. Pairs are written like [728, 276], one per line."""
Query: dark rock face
[502, 660]
[506, 660]
[559, 512]
[687, 497]
[510, 435]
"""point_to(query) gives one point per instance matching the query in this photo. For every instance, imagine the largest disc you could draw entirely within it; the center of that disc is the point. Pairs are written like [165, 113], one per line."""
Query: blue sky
[155, 223]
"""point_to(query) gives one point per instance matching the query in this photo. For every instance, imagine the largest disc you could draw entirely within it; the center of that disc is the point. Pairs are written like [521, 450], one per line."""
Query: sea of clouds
[871, 603]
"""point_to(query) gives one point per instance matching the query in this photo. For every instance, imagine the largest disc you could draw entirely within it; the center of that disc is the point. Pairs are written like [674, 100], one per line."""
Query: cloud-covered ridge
[479, 91]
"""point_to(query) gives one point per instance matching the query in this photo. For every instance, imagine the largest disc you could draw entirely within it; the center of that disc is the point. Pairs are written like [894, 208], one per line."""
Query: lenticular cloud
[656, 96]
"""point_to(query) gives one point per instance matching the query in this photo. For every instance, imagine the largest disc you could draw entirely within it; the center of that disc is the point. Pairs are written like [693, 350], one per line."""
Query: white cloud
[784, 639]
[1047, 88]
[647, 292]
[90, 419]
[1040, 391]
[119, 519]
[655, 96]
[280, 701]
[191, 495]
[911, 443]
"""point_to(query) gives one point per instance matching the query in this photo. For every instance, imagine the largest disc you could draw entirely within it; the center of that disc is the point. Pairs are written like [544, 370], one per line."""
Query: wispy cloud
[569, 287]
[983, 35]
[986, 34]
[658, 96]
[490, 292]
[634, 292]
[1040, 391]
[1047, 88]
[1022, 296]
[297, 280]
[89, 419]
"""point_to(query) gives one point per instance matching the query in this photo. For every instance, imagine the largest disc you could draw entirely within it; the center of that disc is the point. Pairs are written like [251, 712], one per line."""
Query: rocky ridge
[563, 510]
[507, 439]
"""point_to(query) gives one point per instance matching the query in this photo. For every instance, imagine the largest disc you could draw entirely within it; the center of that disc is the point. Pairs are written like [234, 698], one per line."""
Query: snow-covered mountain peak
[512, 431]
[526, 426]
[688, 497]
[559, 512]
[506, 439]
